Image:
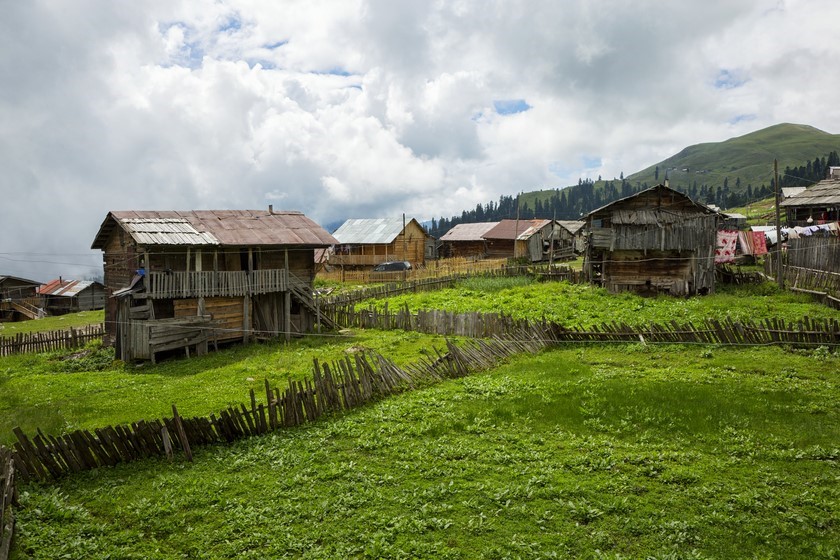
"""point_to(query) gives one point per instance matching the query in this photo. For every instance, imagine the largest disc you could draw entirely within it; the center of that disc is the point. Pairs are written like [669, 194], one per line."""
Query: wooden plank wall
[228, 314]
[50, 341]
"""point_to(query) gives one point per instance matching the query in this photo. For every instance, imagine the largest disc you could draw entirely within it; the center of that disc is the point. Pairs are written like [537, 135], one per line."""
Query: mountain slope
[749, 157]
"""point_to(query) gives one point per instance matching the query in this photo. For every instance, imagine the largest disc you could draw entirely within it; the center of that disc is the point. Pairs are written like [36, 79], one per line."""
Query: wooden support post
[182, 434]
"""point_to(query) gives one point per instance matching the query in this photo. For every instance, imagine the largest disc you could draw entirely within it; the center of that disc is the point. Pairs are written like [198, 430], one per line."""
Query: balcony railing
[166, 285]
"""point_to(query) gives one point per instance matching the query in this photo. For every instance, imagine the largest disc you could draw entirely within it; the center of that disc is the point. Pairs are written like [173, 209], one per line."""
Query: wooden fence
[805, 332]
[344, 385]
[395, 288]
[8, 499]
[432, 269]
[50, 341]
[822, 284]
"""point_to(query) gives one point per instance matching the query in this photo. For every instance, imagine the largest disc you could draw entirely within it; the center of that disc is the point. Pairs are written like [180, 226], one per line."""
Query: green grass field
[585, 305]
[582, 451]
[57, 323]
[586, 452]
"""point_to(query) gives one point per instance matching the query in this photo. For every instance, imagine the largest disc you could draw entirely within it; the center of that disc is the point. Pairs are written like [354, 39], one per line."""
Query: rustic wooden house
[817, 204]
[364, 243]
[570, 235]
[465, 240]
[18, 299]
[182, 279]
[655, 241]
[69, 296]
[525, 239]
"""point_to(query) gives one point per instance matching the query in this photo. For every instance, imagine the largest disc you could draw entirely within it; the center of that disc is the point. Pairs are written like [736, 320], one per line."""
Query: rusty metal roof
[370, 231]
[507, 229]
[216, 227]
[65, 288]
[824, 193]
[468, 232]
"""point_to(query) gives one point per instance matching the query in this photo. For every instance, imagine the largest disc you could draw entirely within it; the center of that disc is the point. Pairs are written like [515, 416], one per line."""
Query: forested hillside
[726, 174]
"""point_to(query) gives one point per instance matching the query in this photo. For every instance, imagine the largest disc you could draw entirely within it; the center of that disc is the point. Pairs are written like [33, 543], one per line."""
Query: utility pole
[779, 278]
[516, 227]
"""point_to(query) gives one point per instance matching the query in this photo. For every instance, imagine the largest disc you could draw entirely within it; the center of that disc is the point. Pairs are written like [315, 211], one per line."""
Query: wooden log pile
[50, 341]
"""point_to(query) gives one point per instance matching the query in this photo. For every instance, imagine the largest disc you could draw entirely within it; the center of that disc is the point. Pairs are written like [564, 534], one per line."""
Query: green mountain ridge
[734, 172]
[748, 157]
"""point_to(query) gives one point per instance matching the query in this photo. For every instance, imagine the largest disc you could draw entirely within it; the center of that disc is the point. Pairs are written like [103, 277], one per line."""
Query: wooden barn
[18, 299]
[179, 280]
[656, 241]
[364, 243]
[69, 296]
[465, 240]
[525, 239]
[817, 204]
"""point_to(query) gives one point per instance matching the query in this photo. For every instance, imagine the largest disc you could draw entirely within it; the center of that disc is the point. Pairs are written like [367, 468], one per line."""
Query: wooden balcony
[169, 285]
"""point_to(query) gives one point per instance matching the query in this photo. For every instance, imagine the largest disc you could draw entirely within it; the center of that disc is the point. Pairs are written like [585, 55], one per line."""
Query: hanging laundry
[759, 243]
[745, 242]
[726, 243]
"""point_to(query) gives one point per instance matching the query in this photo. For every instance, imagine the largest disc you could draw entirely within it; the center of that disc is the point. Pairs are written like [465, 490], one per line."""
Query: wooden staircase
[303, 293]
[28, 310]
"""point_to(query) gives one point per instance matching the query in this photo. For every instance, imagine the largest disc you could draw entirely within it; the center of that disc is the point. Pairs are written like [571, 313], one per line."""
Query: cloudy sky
[372, 108]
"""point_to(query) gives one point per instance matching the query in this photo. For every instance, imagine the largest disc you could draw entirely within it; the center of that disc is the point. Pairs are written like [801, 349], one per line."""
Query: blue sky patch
[231, 25]
[728, 80]
[278, 44]
[510, 106]
[591, 162]
[741, 118]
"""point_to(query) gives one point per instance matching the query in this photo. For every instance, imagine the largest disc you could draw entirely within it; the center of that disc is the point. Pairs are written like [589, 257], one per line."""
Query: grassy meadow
[585, 305]
[582, 451]
[57, 323]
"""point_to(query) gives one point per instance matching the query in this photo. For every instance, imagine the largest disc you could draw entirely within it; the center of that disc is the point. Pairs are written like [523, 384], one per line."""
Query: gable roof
[655, 216]
[572, 226]
[215, 227]
[468, 232]
[370, 231]
[66, 288]
[824, 193]
[4, 278]
[507, 229]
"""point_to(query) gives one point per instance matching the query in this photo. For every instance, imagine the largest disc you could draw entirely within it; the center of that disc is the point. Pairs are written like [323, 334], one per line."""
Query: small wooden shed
[817, 204]
[526, 239]
[62, 296]
[18, 299]
[465, 240]
[655, 241]
[364, 243]
[182, 279]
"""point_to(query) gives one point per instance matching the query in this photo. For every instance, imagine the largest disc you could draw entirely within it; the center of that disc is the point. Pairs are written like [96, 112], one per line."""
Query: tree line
[574, 202]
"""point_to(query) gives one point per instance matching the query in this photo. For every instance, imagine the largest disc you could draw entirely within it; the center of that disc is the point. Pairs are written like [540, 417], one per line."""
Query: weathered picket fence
[344, 385]
[804, 332]
[50, 341]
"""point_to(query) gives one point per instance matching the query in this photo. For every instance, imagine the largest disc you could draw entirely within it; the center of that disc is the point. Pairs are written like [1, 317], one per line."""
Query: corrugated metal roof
[369, 231]
[507, 229]
[468, 232]
[788, 192]
[216, 227]
[824, 193]
[65, 288]
[166, 231]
